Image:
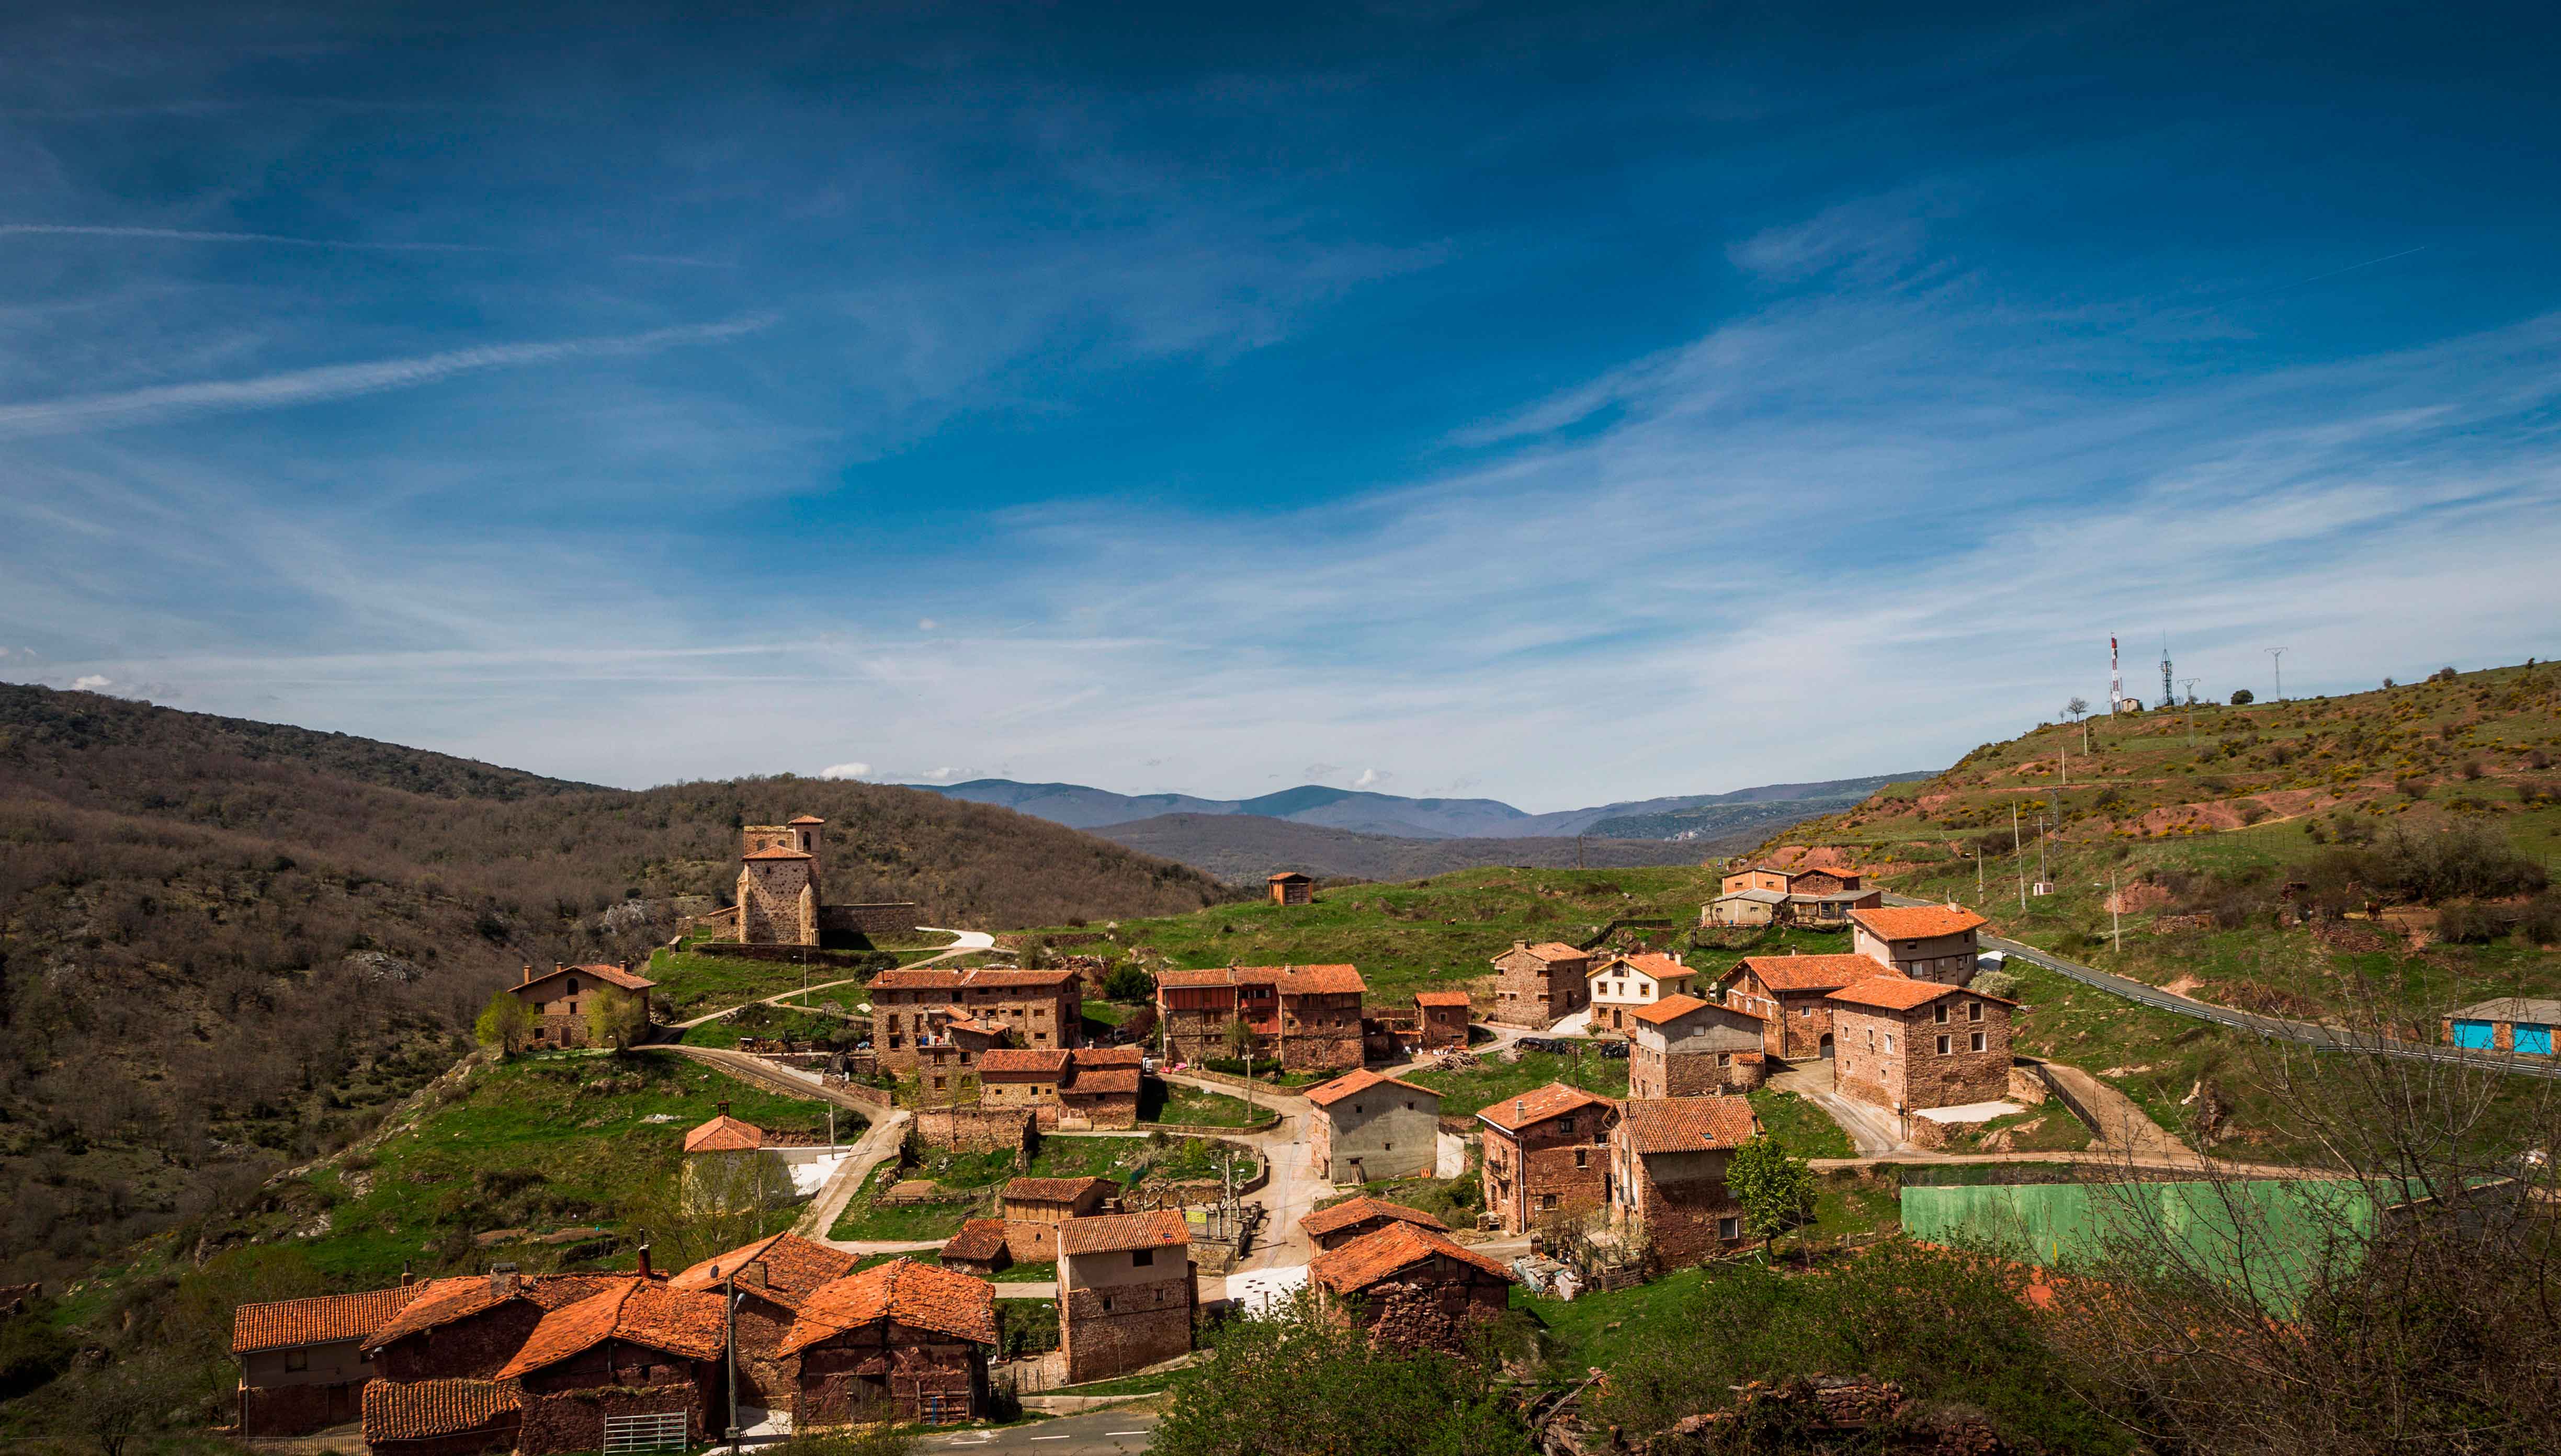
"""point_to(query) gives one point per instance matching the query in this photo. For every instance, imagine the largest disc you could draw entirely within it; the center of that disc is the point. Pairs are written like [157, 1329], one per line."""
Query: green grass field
[1160, 1101]
[977, 1176]
[1803, 1129]
[1465, 1093]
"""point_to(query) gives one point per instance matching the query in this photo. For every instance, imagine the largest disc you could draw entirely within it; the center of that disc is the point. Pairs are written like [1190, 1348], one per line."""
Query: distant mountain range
[1241, 849]
[1682, 817]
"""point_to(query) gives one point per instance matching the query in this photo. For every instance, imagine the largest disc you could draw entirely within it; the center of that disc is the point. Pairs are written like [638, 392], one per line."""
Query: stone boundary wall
[869, 1096]
[793, 954]
[1595, 941]
[885, 918]
[977, 1129]
[1269, 1121]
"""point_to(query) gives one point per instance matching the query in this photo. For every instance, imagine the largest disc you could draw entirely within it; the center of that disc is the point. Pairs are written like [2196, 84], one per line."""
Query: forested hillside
[226, 945]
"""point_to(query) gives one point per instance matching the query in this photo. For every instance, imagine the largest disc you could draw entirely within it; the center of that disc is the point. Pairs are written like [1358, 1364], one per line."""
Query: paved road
[1096, 1433]
[2315, 1034]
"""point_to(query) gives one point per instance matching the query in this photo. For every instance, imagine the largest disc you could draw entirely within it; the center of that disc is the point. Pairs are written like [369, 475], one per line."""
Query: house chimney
[645, 1261]
[724, 1109]
[756, 1277]
[1520, 1108]
[529, 975]
[1521, 945]
[406, 1276]
[502, 1280]
[558, 966]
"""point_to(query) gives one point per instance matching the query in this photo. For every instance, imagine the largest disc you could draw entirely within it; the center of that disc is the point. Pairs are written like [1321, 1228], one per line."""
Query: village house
[979, 1249]
[1925, 942]
[1539, 985]
[617, 1358]
[1687, 1048]
[914, 1007]
[1623, 985]
[1907, 1045]
[1125, 1293]
[1546, 1155]
[1668, 1158]
[1033, 1209]
[301, 1361]
[1411, 1288]
[1289, 888]
[772, 1278]
[468, 1327]
[1087, 1088]
[1309, 1018]
[1766, 894]
[445, 1417]
[1332, 1227]
[1365, 1127]
[1440, 1020]
[1026, 1078]
[1787, 993]
[901, 1340]
[2522, 1025]
[562, 999]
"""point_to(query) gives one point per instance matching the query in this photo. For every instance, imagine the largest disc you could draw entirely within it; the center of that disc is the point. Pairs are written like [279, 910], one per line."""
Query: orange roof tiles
[442, 1302]
[1283, 875]
[1511, 1114]
[1902, 993]
[794, 1266]
[1660, 967]
[920, 1295]
[930, 978]
[1022, 1062]
[1109, 1056]
[410, 1411]
[981, 1240]
[1054, 1189]
[1390, 1250]
[1783, 973]
[1326, 1094]
[1097, 1081]
[778, 852]
[284, 1323]
[1673, 1008]
[1112, 1233]
[1330, 980]
[609, 975]
[1916, 922]
[1441, 998]
[683, 1322]
[1687, 1124]
[804, 819]
[1363, 1208]
[724, 1134]
[1552, 950]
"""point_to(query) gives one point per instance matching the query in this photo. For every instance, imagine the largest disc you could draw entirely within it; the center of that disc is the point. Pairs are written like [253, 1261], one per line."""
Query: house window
[1142, 1258]
[1942, 1010]
[1889, 1043]
[939, 1082]
[1582, 1157]
[297, 1360]
[1725, 1058]
[1974, 1011]
[1566, 1127]
[1729, 1228]
[1943, 1046]
[1547, 1201]
[1979, 1040]
[572, 985]
[1107, 1304]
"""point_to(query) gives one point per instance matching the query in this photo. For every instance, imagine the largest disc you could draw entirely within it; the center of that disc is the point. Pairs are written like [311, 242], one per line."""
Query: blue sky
[1558, 404]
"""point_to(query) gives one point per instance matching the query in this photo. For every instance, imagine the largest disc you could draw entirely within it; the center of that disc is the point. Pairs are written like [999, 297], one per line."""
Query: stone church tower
[778, 882]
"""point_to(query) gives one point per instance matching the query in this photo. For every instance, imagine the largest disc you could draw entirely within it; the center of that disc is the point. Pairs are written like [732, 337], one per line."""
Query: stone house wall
[1529, 992]
[778, 902]
[1547, 1172]
[1913, 1075]
[1946, 959]
[981, 1129]
[927, 1376]
[1115, 1329]
[1436, 1305]
[1321, 1031]
[1387, 1130]
[474, 1347]
[1679, 1198]
[573, 1419]
[299, 1410]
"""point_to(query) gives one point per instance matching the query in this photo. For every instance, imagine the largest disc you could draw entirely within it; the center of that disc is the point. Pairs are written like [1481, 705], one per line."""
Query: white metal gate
[665, 1432]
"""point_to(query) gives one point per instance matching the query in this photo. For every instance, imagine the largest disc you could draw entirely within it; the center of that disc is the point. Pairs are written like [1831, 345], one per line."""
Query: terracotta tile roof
[1211, 976]
[1916, 922]
[1390, 1250]
[1673, 1008]
[1511, 1114]
[1660, 967]
[1109, 1056]
[442, 1302]
[981, 1240]
[1363, 1208]
[1101, 1081]
[1807, 972]
[411, 1411]
[1441, 998]
[1552, 950]
[1283, 875]
[779, 853]
[1322, 981]
[724, 1134]
[1112, 1233]
[963, 1022]
[1687, 1124]
[794, 1266]
[804, 819]
[1022, 1062]
[609, 975]
[284, 1323]
[1054, 1189]
[1902, 993]
[683, 1322]
[945, 1301]
[919, 978]
[1351, 1083]
[1014, 977]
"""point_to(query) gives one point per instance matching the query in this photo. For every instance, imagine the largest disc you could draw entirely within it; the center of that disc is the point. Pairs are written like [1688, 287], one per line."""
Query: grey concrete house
[1367, 1127]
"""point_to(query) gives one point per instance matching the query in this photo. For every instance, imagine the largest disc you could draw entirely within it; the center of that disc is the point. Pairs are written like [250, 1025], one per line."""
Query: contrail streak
[180, 235]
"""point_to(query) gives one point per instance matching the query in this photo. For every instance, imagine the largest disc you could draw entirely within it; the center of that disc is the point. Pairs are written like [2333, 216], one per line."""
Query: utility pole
[2277, 655]
[2190, 684]
[2017, 857]
[2116, 914]
[729, 1345]
[2066, 755]
[1978, 874]
[2042, 878]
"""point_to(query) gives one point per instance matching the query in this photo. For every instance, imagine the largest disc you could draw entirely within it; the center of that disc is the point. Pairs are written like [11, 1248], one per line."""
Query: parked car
[1615, 1050]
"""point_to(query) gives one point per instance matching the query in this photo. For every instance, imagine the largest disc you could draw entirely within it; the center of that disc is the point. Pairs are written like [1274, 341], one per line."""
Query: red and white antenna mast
[2115, 680]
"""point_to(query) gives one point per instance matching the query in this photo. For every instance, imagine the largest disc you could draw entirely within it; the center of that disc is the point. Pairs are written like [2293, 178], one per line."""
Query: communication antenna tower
[2116, 681]
[2168, 699]
[2278, 656]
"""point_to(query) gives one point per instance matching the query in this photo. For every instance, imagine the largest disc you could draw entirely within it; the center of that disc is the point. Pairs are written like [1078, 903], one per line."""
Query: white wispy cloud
[191, 235]
[845, 770]
[129, 408]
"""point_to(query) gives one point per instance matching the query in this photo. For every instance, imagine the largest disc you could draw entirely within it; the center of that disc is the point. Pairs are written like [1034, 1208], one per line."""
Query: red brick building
[1668, 1160]
[640, 1348]
[1306, 1017]
[1787, 993]
[1546, 1155]
[902, 1337]
[1539, 985]
[1289, 888]
[1683, 1046]
[1907, 1044]
[771, 1278]
[1925, 942]
[1411, 1288]
[1125, 1293]
[562, 999]
[302, 1365]
[1332, 1227]
[1441, 1020]
[913, 1008]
